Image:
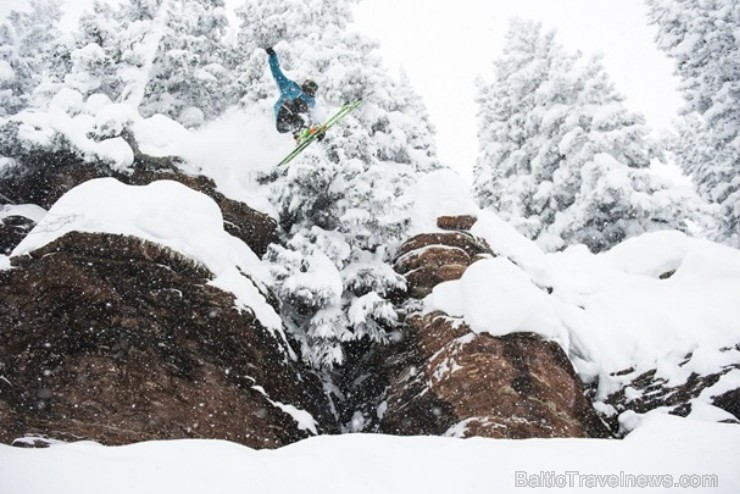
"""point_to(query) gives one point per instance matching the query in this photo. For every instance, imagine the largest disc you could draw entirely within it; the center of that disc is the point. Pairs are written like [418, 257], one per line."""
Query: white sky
[444, 45]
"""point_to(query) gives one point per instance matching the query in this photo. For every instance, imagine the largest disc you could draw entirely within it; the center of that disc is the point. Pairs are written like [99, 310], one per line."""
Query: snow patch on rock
[645, 304]
[167, 213]
[45, 129]
[30, 211]
[303, 419]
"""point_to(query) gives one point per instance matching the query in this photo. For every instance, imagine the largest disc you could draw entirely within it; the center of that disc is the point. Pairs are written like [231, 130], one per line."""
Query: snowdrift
[662, 453]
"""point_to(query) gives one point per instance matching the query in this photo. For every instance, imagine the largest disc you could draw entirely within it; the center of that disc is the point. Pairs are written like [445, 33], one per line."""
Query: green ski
[311, 136]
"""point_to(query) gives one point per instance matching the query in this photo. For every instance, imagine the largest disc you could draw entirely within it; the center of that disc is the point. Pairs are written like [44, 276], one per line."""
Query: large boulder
[455, 382]
[430, 259]
[42, 177]
[117, 340]
[438, 377]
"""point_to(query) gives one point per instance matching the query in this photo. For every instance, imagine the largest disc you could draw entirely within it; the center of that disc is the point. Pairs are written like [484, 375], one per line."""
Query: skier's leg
[284, 120]
[300, 126]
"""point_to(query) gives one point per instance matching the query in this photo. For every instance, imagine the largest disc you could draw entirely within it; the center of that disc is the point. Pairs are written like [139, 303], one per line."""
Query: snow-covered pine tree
[112, 51]
[12, 97]
[145, 24]
[702, 37]
[561, 157]
[28, 48]
[96, 56]
[517, 159]
[342, 202]
[191, 68]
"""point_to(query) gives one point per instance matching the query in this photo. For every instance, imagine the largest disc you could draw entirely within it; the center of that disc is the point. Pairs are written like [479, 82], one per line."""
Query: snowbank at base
[167, 213]
[612, 311]
[361, 463]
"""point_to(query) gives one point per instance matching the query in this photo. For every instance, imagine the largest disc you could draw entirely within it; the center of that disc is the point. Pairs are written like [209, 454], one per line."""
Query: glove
[320, 136]
[270, 51]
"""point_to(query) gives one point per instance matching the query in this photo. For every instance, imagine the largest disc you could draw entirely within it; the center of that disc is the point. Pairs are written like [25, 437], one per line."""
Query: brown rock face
[108, 338]
[440, 378]
[42, 178]
[430, 259]
[648, 392]
[471, 245]
[517, 386]
[460, 223]
[12, 230]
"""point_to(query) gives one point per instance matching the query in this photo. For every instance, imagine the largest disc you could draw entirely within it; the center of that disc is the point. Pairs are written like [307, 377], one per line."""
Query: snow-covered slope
[662, 453]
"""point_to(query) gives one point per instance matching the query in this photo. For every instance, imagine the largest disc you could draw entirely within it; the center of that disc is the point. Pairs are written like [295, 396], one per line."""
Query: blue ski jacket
[289, 90]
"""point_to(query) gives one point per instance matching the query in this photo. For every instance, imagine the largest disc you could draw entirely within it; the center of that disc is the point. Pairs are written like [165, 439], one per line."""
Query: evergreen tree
[519, 148]
[561, 156]
[96, 57]
[161, 56]
[191, 65]
[114, 49]
[702, 37]
[342, 203]
[29, 46]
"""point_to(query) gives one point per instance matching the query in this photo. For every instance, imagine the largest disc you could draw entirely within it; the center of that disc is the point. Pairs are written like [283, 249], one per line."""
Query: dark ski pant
[289, 120]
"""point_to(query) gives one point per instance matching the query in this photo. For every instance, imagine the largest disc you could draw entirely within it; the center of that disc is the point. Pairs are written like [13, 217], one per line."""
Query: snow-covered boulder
[136, 316]
[440, 377]
[647, 327]
[650, 325]
[427, 260]
[42, 177]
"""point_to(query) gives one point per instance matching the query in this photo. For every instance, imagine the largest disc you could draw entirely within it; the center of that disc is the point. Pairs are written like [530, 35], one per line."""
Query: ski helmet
[310, 87]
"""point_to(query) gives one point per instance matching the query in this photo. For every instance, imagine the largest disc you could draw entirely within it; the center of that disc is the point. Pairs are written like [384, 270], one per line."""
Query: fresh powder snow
[661, 452]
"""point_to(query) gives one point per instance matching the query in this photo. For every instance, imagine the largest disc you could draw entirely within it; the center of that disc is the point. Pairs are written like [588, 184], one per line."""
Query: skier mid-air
[295, 110]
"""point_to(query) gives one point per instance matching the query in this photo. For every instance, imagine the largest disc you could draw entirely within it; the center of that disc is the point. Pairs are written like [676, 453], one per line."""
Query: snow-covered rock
[15, 223]
[145, 320]
[662, 307]
[167, 213]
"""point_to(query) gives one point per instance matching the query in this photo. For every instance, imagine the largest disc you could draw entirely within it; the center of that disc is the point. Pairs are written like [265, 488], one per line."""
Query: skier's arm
[282, 81]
